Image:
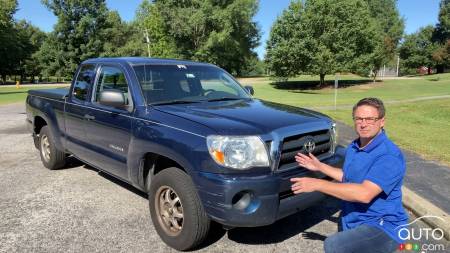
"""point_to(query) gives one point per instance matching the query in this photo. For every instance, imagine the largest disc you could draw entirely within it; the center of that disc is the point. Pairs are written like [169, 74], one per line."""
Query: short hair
[374, 102]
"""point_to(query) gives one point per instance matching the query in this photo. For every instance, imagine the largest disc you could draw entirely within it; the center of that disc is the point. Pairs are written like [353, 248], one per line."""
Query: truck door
[108, 128]
[76, 139]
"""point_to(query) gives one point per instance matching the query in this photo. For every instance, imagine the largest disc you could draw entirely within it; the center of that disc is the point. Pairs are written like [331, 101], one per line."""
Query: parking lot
[79, 209]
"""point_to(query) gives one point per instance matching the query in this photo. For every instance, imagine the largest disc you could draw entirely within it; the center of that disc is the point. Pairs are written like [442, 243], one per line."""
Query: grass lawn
[420, 126]
[298, 92]
[10, 94]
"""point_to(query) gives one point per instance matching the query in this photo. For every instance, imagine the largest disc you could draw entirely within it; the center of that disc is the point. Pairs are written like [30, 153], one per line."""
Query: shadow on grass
[315, 85]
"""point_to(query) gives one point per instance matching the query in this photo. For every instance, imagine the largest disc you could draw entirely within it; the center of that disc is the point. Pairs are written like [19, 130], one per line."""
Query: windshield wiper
[173, 102]
[223, 99]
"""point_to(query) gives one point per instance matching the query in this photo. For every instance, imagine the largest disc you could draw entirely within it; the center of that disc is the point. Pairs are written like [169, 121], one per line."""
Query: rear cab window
[83, 82]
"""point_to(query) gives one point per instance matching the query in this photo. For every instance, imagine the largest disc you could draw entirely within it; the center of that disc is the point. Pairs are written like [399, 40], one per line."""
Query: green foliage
[441, 36]
[122, 39]
[418, 48]
[390, 31]
[7, 10]
[285, 56]
[7, 37]
[442, 33]
[19, 40]
[253, 67]
[152, 24]
[78, 35]
[219, 32]
[322, 37]
[31, 39]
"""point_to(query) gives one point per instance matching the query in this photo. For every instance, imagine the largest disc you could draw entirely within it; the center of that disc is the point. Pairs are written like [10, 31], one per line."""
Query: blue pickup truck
[189, 135]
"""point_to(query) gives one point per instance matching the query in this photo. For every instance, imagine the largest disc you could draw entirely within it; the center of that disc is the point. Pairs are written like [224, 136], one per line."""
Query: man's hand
[361, 193]
[308, 161]
[305, 184]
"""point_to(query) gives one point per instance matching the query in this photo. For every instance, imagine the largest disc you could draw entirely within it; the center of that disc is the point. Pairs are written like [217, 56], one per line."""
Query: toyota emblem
[309, 144]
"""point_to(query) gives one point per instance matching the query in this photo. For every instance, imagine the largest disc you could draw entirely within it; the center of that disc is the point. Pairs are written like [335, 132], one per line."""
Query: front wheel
[176, 210]
[51, 157]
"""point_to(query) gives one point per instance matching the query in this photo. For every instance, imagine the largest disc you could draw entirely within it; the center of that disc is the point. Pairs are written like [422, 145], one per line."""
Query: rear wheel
[51, 157]
[176, 210]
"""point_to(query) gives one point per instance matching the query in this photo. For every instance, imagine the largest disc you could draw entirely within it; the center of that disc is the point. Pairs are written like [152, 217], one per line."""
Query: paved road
[79, 209]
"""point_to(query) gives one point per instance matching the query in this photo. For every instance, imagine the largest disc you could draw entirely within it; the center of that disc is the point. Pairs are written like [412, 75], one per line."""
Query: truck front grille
[296, 144]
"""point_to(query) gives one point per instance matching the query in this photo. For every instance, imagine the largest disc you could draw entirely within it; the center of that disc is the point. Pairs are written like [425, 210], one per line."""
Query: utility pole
[147, 40]
[336, 86]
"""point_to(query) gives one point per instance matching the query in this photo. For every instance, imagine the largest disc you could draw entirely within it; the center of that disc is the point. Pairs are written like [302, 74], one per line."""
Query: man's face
[367, 123]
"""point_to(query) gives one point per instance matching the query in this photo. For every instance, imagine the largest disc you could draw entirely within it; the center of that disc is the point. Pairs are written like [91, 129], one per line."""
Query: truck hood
[246, 117]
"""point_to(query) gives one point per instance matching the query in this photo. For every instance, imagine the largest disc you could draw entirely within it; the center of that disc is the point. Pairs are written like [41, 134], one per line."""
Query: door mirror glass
[113, 98]
[250, 90]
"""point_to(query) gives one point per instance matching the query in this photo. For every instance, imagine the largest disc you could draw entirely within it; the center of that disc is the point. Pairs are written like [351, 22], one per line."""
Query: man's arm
[363, 193]
[312, 163]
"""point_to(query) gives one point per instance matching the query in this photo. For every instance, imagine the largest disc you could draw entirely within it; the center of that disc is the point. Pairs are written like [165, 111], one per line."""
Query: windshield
[186, 83]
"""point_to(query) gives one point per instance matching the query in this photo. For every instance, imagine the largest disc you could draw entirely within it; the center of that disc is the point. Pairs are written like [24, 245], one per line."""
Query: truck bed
[57, 94]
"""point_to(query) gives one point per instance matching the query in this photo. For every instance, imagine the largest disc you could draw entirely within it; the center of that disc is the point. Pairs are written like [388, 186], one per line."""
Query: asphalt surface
[79, 209]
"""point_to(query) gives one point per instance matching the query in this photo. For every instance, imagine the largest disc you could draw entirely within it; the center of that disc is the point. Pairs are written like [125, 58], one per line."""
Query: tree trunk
[322, 80]
[429, 70]
[375, 73]
[3, 78]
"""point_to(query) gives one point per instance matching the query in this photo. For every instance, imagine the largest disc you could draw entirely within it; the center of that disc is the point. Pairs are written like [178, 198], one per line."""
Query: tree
[418, 48]
[7, 37]
[390, 31]
[122, 39]
[49, 57]
[441, 36]
[152, 24]
[285, 56]
[323, 37]
[78, 33]
[7, 10]
[253, 67]
[29, 39]
[219, 32]
[442, 33]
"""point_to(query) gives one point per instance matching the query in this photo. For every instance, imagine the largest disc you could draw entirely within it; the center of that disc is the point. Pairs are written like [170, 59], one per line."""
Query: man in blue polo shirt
[369, 185]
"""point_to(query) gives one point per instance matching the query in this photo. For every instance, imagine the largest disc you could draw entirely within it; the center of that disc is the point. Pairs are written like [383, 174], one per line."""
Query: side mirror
[112, 98]
[250, 90]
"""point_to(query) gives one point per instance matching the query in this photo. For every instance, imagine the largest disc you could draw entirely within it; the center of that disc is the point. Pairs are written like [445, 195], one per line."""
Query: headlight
[238, 152]
[334, 137]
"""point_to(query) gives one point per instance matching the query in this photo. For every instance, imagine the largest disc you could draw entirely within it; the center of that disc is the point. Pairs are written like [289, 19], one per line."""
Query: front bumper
[251, 201]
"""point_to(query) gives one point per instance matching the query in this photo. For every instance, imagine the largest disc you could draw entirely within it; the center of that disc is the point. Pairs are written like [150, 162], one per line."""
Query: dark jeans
[363, 238]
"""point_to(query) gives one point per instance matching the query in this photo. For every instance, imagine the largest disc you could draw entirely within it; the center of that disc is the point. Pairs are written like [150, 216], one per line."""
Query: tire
[181, 232]
[51, 157]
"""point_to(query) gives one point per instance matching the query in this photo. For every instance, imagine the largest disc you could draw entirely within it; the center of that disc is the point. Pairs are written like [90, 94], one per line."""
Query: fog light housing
[241, 200]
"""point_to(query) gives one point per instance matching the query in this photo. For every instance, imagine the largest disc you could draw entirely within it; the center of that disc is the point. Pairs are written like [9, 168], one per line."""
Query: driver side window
[112, 78]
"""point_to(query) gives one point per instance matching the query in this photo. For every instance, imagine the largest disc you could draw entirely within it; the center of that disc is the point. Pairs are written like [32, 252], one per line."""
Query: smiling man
[369, 185]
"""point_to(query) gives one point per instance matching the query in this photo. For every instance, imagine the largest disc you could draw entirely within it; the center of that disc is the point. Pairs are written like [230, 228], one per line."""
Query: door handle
[89, 117]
